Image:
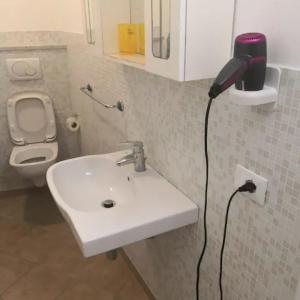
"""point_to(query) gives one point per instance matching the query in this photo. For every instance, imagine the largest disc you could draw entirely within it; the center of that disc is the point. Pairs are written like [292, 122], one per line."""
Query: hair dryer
[248, 67]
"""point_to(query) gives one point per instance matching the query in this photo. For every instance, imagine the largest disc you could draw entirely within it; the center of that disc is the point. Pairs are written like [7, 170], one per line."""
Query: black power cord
[205, 198]
[250, 187]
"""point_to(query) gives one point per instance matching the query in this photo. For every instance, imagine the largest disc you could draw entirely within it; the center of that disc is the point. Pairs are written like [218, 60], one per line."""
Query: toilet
[32, 129]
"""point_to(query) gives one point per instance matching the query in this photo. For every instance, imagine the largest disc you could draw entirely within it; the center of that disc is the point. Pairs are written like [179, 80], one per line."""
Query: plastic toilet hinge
[19, 141]
[49, 138]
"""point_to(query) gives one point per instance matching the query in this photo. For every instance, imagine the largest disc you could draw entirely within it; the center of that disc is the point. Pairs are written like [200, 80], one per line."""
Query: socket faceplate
[242, 175]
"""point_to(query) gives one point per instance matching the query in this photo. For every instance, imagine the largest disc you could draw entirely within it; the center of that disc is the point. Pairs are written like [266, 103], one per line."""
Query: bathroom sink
[109, 207]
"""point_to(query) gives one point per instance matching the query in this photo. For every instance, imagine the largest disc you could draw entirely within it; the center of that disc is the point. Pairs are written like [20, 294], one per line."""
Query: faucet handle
[137, 145]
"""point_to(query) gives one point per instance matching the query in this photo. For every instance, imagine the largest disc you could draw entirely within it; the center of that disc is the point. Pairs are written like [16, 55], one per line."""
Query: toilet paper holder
[88, 90]
[73, 123]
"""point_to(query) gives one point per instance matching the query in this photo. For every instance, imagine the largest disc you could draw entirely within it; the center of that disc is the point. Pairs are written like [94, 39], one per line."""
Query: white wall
[41, 15]
[71, 15]
[279, 20]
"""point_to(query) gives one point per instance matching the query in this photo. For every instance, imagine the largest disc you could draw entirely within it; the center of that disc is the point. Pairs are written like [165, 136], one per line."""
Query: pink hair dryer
[247, 70]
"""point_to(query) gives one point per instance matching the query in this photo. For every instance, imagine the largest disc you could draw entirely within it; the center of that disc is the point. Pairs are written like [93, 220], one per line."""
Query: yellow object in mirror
[132, 38]
[141, 38]
[127, 38]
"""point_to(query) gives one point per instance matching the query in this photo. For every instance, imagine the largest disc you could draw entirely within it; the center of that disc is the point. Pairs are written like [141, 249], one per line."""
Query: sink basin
[141, 205]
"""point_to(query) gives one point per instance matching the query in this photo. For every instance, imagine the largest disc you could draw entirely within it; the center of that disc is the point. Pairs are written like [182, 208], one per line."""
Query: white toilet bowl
[33, 130]
[33, 161]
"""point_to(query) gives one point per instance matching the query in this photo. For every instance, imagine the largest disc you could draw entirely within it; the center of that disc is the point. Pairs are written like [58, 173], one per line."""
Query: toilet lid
[31, 118]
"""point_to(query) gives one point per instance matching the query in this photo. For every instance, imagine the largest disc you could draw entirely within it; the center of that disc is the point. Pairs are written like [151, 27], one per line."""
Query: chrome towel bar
[88, 90]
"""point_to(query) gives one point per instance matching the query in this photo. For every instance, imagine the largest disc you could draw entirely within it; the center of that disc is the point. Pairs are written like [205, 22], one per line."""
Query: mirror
[161, 28]
[136, 11]
[123, 27]
[89, 21]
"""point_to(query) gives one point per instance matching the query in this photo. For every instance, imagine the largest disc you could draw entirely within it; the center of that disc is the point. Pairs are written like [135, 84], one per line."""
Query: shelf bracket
[268, 95]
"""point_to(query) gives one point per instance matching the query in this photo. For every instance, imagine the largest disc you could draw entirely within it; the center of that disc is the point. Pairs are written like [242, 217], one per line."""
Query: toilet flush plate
[24, 68]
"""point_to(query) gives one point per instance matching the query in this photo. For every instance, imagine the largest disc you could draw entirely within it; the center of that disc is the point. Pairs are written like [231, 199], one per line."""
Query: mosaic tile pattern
[103, 129]
[30, 38]
[55, 83]
[262, 257]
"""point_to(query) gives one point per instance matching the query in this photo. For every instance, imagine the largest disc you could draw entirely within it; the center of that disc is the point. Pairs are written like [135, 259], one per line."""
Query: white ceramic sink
[145, 203]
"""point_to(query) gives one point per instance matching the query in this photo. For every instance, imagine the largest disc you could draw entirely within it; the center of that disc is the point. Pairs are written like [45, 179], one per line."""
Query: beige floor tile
[11, 269]
[33, 206]
[40, 283]
[83, 291]
[99, 278]
[40, 259]
[11, 233]
[48, 246]
[40, 208]
[12, 207]
[101, 273]
[132, 290]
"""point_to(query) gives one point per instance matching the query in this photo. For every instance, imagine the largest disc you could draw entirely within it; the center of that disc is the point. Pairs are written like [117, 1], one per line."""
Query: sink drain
[108, 203]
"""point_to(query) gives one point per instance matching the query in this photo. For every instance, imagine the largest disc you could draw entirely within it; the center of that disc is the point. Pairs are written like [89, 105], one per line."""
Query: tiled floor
[40, 260]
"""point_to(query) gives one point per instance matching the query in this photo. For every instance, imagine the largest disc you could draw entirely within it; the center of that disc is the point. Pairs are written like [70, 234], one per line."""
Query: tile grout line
[18, 279]
[37, 261]
[17, 256]
[66, 285]
[119, 291]
[62, 290]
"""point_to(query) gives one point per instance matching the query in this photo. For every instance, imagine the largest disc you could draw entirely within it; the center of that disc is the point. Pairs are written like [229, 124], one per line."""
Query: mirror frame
[160, 37]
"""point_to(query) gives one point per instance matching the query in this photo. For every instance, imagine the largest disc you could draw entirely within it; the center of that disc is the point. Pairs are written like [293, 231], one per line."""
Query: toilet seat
[34, 154]
[32, 128]
[31, 118]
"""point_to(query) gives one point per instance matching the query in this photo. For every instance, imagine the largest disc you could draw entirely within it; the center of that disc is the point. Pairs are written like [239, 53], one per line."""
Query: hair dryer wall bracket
[267, 97]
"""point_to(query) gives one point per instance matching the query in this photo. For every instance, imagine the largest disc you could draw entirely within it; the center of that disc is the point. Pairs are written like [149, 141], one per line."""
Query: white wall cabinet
[184, 39]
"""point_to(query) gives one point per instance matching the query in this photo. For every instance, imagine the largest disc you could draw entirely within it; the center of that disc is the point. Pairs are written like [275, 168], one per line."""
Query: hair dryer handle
[232, 71]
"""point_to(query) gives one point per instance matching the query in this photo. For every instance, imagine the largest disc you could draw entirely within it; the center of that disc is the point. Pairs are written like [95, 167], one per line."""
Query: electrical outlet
[242, 175]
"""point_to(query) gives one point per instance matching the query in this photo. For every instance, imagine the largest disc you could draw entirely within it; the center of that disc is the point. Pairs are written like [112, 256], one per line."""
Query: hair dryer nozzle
[232, 71]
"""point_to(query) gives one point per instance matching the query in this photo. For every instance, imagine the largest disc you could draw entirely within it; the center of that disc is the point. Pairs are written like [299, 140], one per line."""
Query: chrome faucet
[137, 157]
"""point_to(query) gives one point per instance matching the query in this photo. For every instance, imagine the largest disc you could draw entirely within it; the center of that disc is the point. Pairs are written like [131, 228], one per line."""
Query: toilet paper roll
[73, 124]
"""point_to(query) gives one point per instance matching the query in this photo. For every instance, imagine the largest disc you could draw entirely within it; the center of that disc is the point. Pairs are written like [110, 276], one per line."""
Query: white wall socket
[242, 175]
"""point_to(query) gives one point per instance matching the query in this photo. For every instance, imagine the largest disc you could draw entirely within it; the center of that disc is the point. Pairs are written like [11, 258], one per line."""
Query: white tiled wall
[262, 257]
[55, 83]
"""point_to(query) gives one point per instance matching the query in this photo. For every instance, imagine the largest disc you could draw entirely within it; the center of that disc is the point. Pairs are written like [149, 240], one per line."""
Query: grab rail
[88, 90]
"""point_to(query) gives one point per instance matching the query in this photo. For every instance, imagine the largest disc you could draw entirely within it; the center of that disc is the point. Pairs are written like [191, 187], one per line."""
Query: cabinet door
[209, 29]
[165, 25]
